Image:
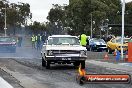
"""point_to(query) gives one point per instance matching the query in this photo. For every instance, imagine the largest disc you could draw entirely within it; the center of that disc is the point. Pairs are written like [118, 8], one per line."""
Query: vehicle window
[63, 40]
[98, 40]
[119, 40]
[6, 40]
[113, 41]
[101, 40]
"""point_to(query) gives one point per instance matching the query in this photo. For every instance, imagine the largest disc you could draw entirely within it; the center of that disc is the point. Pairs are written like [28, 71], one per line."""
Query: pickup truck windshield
[63, 40]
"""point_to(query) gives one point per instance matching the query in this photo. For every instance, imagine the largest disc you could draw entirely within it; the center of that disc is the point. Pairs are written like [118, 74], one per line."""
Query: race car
[7, 44]
[96, 44]
[115, 43]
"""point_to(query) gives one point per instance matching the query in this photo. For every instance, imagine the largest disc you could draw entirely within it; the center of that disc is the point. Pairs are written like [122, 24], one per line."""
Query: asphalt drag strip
[10, 82]
[31, 74]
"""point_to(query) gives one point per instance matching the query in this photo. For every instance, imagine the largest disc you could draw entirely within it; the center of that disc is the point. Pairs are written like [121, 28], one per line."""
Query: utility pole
[91, 26]
[122, 38]
[5, 28]
[107, 32]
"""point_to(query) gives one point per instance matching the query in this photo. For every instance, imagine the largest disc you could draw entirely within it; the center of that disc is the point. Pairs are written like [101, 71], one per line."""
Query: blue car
[96, 44]
[7, 44]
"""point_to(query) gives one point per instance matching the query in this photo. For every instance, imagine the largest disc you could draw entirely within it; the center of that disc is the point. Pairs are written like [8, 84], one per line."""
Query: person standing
[43, 38]
[38, 41]
[83, 40]
[19, 41]
[33, 39]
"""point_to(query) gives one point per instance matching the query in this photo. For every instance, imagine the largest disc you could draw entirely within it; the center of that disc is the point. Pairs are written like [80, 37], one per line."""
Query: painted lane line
[4, 84]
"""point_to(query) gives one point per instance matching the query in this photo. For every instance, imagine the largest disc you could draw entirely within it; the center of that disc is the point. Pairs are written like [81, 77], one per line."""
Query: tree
[37, 27]
[57, 18]
[77, 15]
[17, 14]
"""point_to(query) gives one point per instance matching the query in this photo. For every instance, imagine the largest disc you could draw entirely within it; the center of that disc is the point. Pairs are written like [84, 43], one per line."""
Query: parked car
[7, 44]
[63, 49]
[115, 43]
[96, 44]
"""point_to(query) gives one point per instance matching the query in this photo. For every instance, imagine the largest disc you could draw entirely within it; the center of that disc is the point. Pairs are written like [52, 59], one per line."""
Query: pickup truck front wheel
[76, 64]
[83, 64]
[43, 62]
[47, 65]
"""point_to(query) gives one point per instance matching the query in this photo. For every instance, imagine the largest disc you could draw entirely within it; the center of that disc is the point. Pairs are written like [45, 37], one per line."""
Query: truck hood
[65, 47]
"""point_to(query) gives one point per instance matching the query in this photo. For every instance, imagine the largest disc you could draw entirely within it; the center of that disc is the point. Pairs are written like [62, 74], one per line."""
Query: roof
[4, 36]
[62, 36]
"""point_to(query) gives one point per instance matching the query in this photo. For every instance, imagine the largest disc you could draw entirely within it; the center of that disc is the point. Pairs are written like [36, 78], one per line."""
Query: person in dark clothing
[38, 40]
[43, 38]
[19, 41]
[109, 38]
[87, 45]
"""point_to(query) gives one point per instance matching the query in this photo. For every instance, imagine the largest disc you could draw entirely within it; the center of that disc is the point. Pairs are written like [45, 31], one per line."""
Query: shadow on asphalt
[62, 67]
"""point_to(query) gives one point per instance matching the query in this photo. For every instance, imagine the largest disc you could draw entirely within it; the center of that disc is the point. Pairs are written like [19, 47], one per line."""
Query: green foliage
[16, 14]
[37, 26]
[77, 15]
[56, 14]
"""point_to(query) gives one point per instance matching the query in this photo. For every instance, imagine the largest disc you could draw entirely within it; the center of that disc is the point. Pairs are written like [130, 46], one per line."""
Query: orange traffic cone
[106, 57]
[115, 52]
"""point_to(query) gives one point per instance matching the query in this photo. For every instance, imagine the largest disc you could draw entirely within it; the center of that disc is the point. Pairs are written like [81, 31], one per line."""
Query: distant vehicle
[88, 37]
[7, 44]
[115, 43]
[96, 44]
[63, 49]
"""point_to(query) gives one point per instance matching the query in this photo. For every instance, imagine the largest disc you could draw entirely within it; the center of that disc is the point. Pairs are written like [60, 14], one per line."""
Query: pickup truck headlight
[83, 53]
[50, 52]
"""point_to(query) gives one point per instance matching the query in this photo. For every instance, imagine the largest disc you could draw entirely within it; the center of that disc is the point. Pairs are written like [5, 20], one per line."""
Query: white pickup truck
[63, 49]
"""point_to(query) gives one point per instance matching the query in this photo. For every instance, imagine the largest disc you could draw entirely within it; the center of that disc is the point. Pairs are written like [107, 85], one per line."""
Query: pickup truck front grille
[65, 52]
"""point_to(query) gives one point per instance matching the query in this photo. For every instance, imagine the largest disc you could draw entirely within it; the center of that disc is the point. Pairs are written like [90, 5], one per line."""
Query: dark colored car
[96, 44]
[7, 44]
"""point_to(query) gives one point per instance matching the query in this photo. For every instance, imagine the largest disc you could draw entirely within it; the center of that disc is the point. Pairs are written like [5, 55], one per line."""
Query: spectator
[19, 41]
[83, 39]
[33, 41]
[38, 41]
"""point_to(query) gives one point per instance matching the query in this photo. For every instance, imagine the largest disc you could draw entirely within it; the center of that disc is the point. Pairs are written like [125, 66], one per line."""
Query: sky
[40, 8]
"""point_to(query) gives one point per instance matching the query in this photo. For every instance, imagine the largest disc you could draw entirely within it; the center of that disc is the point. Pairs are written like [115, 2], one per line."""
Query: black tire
[76, 64]
[83, 64]
[109, 51]
[91, 49]
[47, 65]
[106, 50]
[98, 50]
[43, 62]
[88, 47]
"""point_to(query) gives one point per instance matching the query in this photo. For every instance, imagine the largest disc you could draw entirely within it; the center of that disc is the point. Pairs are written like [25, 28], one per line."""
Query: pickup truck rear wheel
[109, 51]
[47, 65]
[43, 62]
